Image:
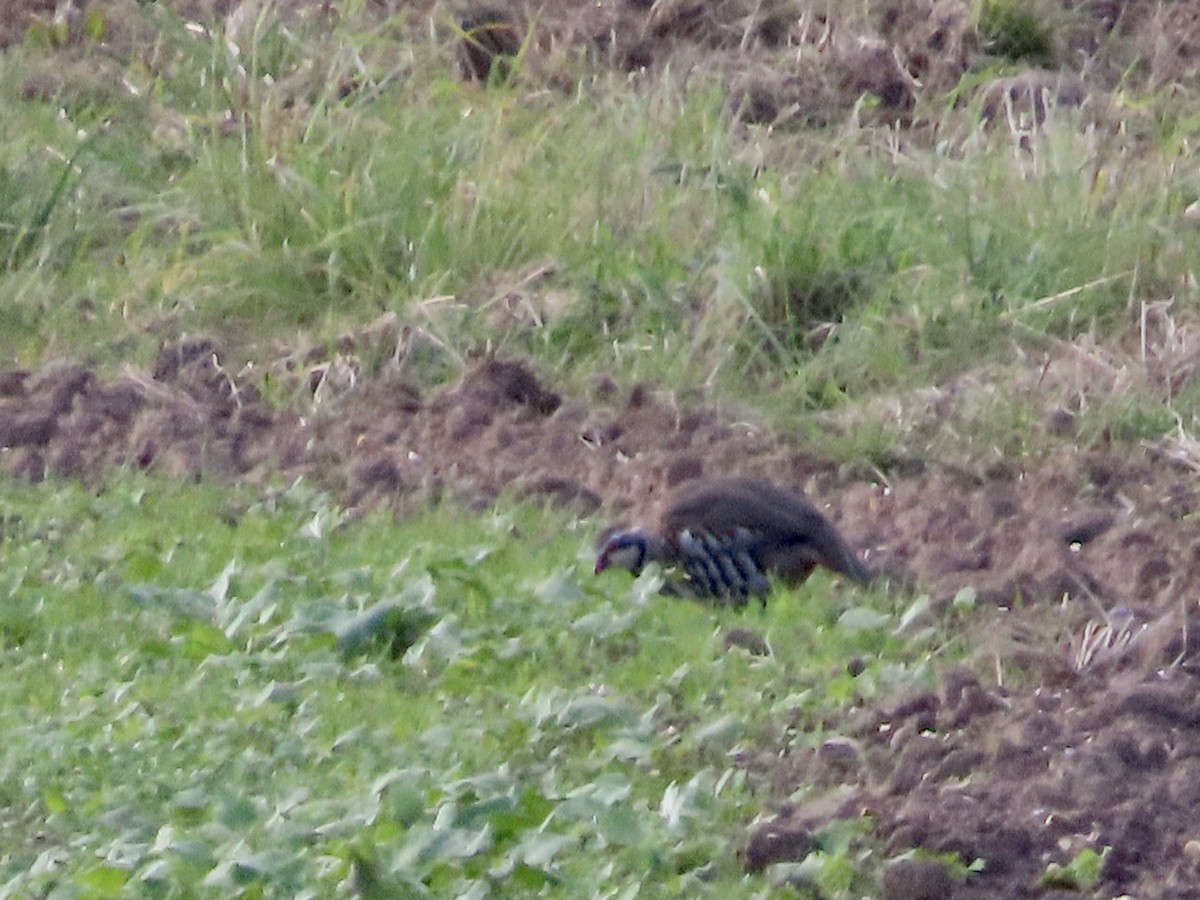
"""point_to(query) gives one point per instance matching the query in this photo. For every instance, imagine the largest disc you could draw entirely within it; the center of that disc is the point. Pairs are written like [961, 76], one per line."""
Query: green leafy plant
[1080, 874]
[1012, 29]
[305, 706]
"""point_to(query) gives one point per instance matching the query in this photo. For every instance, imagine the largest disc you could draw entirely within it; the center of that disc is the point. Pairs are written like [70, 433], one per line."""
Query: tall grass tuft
[304, 181]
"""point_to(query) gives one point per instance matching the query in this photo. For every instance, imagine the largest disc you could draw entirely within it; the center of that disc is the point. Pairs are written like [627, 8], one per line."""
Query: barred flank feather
[722, 567]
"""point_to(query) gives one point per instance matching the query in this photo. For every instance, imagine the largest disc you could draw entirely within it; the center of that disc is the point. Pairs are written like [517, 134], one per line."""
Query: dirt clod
[746, 639]
[778, 841]
[917, 879]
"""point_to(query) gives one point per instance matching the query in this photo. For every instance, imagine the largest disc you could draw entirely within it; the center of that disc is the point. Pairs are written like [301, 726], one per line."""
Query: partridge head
[727, 535]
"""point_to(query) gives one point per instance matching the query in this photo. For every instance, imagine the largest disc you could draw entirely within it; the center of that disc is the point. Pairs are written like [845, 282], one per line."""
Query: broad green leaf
[560, 588]
[964, 599]
[589, 710]
[186, 602]
[916, 611]
[219, 589]
[862, 618]
[724, 730]
[387, 623]
[103, 881]
[538, 849]
[143, 566]
[199, 640]
[622, 826]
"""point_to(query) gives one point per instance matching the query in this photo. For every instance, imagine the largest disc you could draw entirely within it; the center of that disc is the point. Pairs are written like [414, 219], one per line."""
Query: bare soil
[1076, 725]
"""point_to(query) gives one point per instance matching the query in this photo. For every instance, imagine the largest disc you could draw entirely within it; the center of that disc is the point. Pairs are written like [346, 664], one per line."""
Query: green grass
[313, 181]
[195, 704]
[1012, 29]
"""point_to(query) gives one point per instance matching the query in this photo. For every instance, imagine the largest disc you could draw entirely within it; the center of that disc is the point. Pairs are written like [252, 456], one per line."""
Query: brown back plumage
[795, 536]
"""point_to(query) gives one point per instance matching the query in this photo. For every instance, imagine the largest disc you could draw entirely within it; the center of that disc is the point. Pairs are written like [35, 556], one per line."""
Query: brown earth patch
[1103, 755]
[1084, 734]
[781, 63]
